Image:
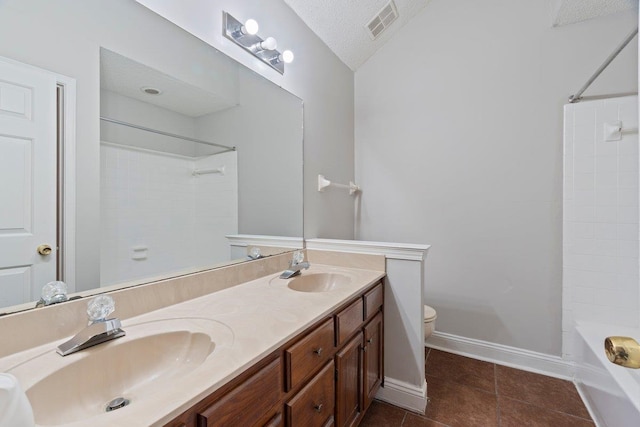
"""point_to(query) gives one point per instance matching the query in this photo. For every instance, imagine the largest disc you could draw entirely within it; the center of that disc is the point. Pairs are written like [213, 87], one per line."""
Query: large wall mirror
[178, 146]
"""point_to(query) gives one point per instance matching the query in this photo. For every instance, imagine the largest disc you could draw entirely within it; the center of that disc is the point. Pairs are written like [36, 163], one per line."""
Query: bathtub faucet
[623, 351]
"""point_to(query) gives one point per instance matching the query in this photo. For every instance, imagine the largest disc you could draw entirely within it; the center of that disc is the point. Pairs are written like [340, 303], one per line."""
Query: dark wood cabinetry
[349, 320]
[372, 359]
[307, 355]
[276, 421]
[313, 406]
[373, 301]
[349, 382]
[359, 364]
[328, 375]
[248, 402]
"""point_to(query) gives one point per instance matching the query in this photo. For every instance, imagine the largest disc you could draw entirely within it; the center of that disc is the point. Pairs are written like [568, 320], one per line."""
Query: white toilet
[429, 321]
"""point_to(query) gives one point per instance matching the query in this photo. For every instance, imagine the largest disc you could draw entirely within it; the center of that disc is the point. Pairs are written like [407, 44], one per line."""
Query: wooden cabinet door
[373, 358]
[349, 382]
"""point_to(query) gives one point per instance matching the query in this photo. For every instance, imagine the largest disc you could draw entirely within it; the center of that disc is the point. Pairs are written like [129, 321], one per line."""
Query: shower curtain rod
[605, 64]
[173, 135]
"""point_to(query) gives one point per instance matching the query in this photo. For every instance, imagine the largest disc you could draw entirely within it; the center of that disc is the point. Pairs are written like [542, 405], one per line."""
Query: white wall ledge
[405, 251]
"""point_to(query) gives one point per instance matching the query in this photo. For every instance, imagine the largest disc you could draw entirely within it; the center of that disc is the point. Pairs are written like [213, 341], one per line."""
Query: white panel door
[27, 181]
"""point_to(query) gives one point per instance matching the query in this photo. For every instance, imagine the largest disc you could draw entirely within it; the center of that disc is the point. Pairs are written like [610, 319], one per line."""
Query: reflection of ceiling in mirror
[127, 77]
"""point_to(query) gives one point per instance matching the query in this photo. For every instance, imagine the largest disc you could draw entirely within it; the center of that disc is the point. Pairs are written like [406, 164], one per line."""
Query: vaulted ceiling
[341, 24]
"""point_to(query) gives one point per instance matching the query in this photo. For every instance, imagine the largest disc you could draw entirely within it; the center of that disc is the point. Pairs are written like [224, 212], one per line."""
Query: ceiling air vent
[382, 20]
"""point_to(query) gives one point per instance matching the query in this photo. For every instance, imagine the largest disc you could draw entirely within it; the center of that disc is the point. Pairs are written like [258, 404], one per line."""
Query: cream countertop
[251, 320]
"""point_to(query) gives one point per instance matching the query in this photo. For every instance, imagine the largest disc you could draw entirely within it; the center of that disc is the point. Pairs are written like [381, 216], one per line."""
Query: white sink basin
[319, 282]
[150, 358]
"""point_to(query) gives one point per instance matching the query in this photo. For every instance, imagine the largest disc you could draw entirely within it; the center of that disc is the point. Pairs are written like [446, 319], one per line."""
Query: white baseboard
[404, 395]
[546, 364]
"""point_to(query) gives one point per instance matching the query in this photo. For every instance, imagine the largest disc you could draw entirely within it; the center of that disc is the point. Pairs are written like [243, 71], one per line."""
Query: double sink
[158, 355]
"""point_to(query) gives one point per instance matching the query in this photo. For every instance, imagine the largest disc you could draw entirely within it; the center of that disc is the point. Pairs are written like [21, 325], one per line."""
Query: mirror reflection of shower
[157, 215]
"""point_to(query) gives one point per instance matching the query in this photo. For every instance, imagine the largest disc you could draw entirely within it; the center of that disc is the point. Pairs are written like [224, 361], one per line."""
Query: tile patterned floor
[465, 392]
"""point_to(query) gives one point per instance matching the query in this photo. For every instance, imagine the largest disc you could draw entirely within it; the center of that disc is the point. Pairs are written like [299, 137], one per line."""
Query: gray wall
[65, 36]
[459, 145]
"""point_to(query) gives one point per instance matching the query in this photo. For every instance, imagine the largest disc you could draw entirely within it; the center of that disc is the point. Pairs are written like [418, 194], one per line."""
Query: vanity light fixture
[245, 35]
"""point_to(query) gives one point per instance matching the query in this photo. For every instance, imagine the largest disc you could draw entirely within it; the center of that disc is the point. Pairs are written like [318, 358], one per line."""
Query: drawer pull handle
[318, 351]
[318, 407]
[370, 340]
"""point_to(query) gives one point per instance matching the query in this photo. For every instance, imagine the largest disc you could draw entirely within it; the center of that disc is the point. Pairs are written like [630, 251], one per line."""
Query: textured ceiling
[126, 77]
[570, 11]
[341, 24]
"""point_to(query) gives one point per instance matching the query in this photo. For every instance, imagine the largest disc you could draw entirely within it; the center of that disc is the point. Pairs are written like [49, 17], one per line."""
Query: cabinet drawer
[373, 301]
[313, 405]
[348, 320]
[307, 355]
[248, 402]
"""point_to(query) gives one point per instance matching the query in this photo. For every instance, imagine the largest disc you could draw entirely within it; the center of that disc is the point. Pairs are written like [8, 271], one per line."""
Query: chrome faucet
[296, 265]
[100, 328]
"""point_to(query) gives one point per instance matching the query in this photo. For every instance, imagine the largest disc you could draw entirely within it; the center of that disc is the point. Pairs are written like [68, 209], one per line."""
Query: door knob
[44, 250]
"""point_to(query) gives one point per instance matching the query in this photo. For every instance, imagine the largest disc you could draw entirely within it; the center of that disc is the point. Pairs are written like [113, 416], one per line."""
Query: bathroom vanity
[234, 346]
[326, 375]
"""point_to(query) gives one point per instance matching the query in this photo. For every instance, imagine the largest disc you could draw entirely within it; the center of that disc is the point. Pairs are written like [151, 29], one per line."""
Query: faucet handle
[298, 257]
[100, 307]
[53, 292]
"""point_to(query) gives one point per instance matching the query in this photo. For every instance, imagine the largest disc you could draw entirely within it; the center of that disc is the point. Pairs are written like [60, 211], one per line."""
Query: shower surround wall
[600, 218]
[151, 200]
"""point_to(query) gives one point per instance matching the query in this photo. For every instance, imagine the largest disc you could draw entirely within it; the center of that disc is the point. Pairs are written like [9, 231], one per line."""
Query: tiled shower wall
[155, 210]
[600, 216]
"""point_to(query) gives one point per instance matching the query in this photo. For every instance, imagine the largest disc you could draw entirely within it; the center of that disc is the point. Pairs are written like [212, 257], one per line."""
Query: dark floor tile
[546, 392]
[456, 405]
[514, 413]
[463, 370]
[382, 415]
[412, 420]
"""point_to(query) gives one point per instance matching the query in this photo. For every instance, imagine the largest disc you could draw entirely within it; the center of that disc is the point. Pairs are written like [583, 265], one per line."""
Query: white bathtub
[611, 392]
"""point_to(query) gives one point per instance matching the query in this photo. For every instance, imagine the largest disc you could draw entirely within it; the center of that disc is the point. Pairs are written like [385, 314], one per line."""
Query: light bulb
[286, 57]
[250, 27]
[268, 44]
